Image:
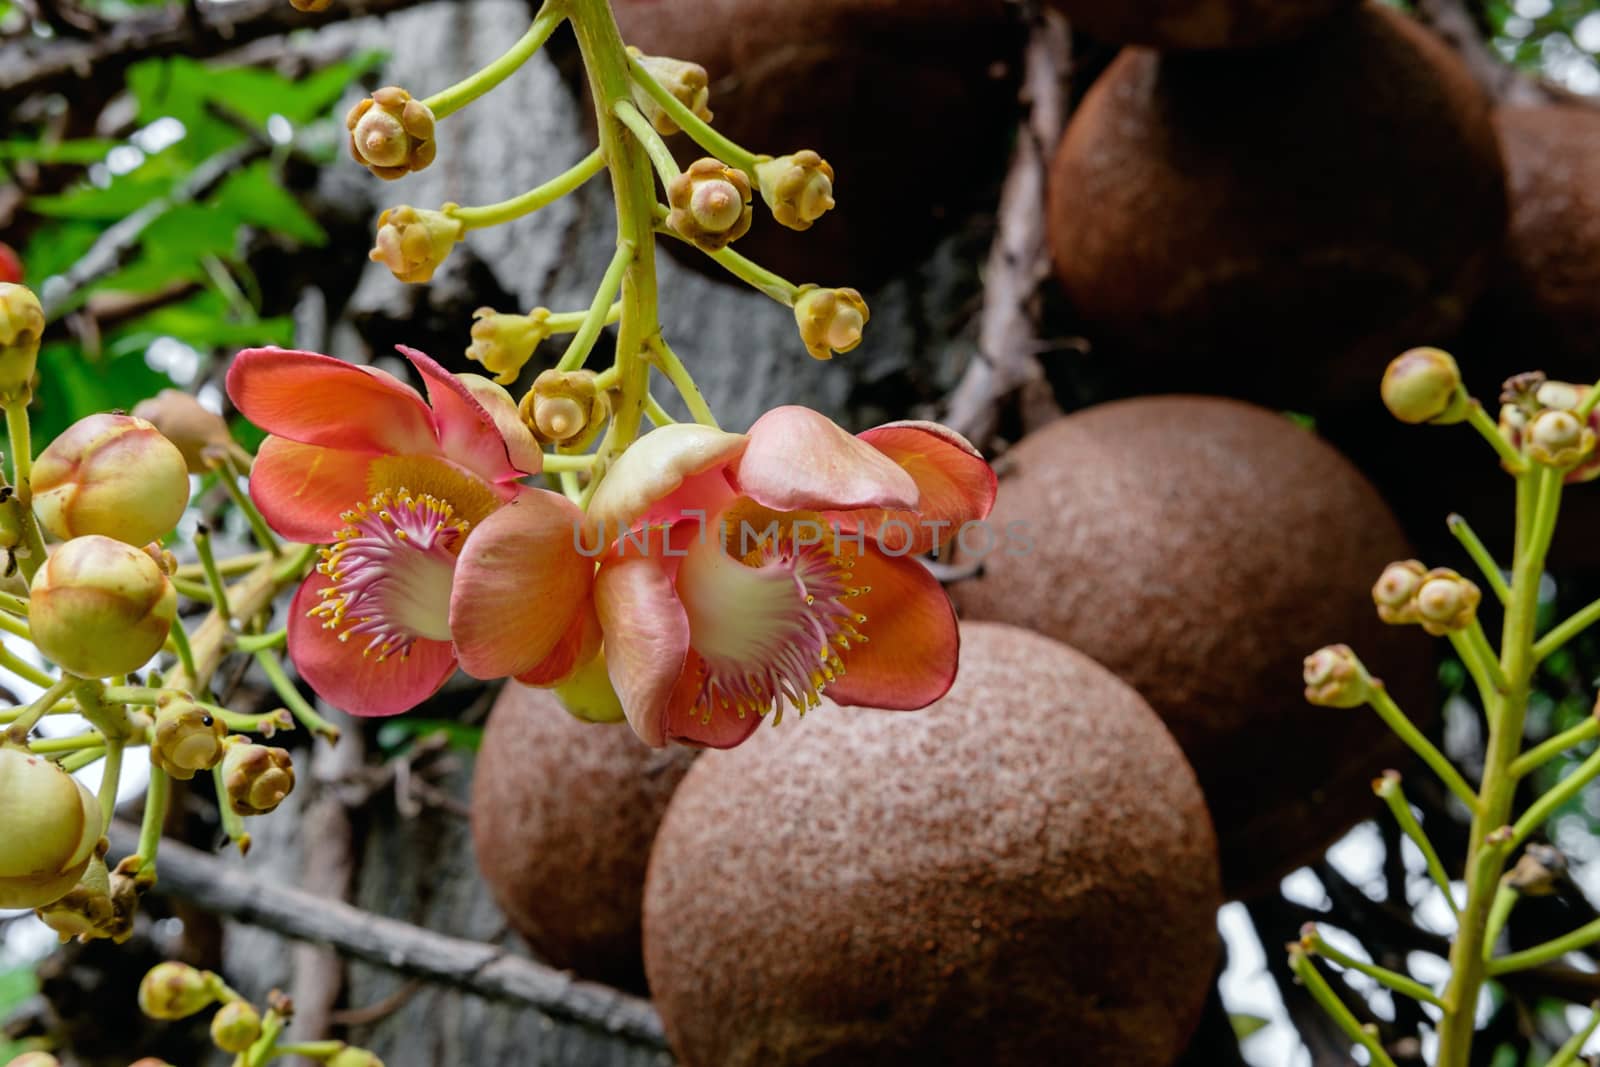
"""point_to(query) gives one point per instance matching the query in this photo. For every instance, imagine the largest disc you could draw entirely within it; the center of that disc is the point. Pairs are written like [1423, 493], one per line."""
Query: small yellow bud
[391, 134]
[21, 327]
[1335, 678]
[99, 607]
[350, 1056]
[53, 828]
[562, 405]
[412, 243]
[1446, 602]
[200, 435]
[1556, 438]
[1424, 385]
[687, 82]
[188, 738]
[256, 777]
[830, 320]
[798, 188]
[174, 990]
[1395, 592]
[710, 204]
[504, 343]
[235, 1026]
[113, 475]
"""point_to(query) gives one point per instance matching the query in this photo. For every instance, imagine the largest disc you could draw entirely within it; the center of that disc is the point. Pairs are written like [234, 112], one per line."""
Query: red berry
[10, 264]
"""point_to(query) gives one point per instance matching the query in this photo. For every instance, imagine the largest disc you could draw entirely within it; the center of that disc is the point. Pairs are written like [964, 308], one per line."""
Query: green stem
[1566, 630]
[50, 745]
[560, 464]
[1567, 1054]
[1547, 750]
[1589, 401]
[258, 1054]
[658, 415]
[229, 474]
[261, 642]
[230, 567]
[180, 642]
[232, 821]
[314, 1050]
[1505, 898]
[540, 196]
[699, 131]
[15, 604]
[239, 723]
[1485, 426]
[629, 115]
[1480, 555]
[582, 342]
[17, 733]
[1554, 949]
[670, 365]
[208, 563]
[21, 441]
[751, 273]
[1473, 648]
[1540, 810]
[569, 321]
[110, 779]
[297, 705]
[1388, 788]
[1382, 975]
[16, 665]
[81, 759]
[157, 796]
[13, 625]
[193, 590]
[1390, 712]
[1336, 1008]
[449, 101]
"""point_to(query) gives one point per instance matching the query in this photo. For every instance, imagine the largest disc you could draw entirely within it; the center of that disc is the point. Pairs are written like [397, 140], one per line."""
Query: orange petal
[653, 470]
[467, 432]
[688, 726]
[519, 584]
[647, 638]
[523, 450]
[302, 490]
[909, 659]
[955, 486]
[319, 400]
[801, 460]
[355, 683]
[577, 646]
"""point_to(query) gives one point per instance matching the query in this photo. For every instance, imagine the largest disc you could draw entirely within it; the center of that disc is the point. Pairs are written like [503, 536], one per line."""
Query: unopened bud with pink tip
[99, 607]
[21, 327]
[113, 475]
[187, 738]
[175, 990]
[504, 343]
[1335, 678]
[256, 777]
[687, 82]
[1558, 438]
[53, 828]
[391, 134]
[1446, 602]
[563, 405]
[710, 204]
[1424, 385]
[798, 188]
[201, 435]
[235, 1026]
[1395, 591]
[413, 242]
[830, 320]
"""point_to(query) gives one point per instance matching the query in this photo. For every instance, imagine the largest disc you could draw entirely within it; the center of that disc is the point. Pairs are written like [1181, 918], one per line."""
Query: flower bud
[113, 475]
[798, 188]
[235, 1026]
[1557, 438]
[504, 343]
[686, 81]
[52, 827]
[21, 326]
[412, 242]
[200, 435]
[86, 911]
[175, 990]
[1335, 678]
[1446, 602]
[1563, 396]
[257, 777]
[1424, 385]
[99, 607]
[188, 738]
[350, 1056]
[830, 320]
[562, 405]
[391, 134]
[1395, 591]
[1539, 871]
[10, 518]
[710, 204]
[589, 695]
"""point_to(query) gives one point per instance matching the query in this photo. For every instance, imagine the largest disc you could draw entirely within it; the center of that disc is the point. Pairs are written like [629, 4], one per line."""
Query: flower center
[391, 568]
[768, 614]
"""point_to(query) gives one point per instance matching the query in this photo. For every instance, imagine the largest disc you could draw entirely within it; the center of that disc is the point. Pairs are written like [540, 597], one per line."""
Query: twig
[487, 970]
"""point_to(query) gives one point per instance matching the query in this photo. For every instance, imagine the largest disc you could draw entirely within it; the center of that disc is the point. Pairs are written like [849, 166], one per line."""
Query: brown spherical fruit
[1201, 549]
[1022, 873]
[563, 813]
[1187, 25]
[909, 101]
[1278, 224]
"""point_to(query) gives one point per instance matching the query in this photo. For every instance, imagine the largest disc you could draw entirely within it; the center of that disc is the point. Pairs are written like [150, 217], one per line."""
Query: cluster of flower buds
[564, 407]
[255, 777]
[1335, 678]
[710, 204]
[99, 607]
[830, 320]
[413, 242]
[201, 435]
[1424, 385]
[798, 188]
[391, 134]
[687, 82]
[504, 343]
[1540, 418]
[53, 829]
[112, 475]
[1440, 600]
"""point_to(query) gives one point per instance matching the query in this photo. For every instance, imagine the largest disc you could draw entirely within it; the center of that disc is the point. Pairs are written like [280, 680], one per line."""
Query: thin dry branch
[487, 970]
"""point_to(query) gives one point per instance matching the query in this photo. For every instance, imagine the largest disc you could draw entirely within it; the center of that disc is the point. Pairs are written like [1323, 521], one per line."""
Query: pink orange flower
[438, 554]
[762, 570]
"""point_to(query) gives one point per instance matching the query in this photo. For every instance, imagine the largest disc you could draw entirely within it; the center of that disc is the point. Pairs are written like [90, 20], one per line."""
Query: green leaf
[82, 151]
[72, 386]
[121, 198]
[201, 322]
[255, 195]
[395, 734]
[186, 232]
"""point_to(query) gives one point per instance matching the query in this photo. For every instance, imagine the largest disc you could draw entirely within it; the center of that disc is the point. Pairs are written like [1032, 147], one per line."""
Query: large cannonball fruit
[911, 101]
[1201, 548]
[1178, 25]
[1023, 873]
[1276, 224]
[563, 813]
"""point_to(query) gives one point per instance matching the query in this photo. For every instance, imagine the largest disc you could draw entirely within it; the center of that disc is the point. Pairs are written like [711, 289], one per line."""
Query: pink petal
[647, 638]
[685, 726]
[909, 659]
[801, 460]
[667, 469]
[352, 682]
[524, 452]
[467, 432]
[302, 490]
[319, 400]
[577, 646]
[519, 584]
[954, 483]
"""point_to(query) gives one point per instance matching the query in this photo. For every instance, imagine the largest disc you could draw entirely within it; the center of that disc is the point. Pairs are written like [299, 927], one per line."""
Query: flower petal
[520, 582]
[523, 450]
[356, 683]
[319, 400]
[685, 726]
[654, 468]
[303, 490]
[801, 460]
[909, 659]
[647, 638]
[577, 646]
[955, 486]
[467, 433]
